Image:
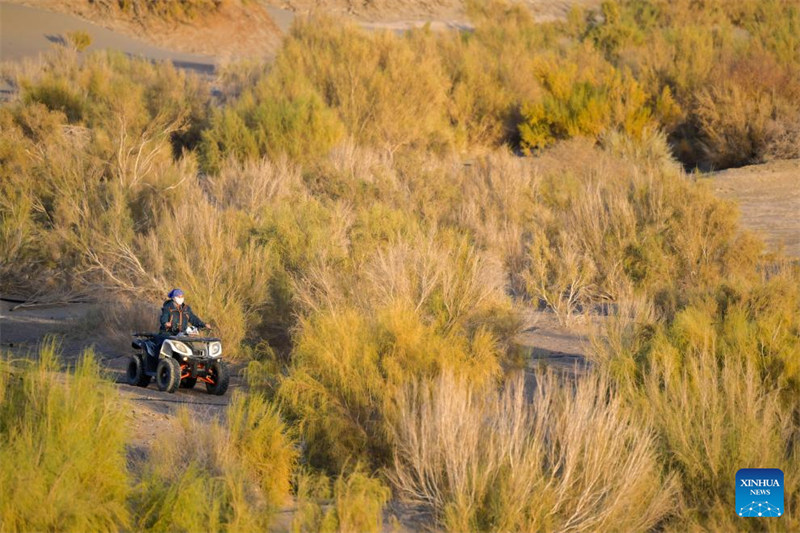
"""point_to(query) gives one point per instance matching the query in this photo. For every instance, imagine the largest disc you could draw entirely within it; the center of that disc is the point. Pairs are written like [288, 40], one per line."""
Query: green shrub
[58, 95]
[712, 416]
[389, 92]
[62, 446]
[720, 383]
[260, 440]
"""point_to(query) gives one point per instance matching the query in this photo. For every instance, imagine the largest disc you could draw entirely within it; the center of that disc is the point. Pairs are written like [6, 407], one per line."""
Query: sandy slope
[769, 200]
[405, 13]
[237, 30]
[253, 29]
[27, 31]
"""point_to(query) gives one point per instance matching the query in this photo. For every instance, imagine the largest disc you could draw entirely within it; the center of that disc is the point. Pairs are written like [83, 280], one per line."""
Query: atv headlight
[215, 349]
[181, 348]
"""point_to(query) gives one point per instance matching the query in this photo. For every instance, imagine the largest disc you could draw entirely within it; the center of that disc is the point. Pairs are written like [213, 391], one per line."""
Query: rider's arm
[194, 319]
[165, 317]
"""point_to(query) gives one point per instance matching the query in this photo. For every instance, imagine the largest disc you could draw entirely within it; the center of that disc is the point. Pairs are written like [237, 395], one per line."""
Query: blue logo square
[759, 492]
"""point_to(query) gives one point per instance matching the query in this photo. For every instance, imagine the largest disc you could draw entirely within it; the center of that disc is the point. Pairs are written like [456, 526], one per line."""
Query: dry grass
[570, 459]
[720, 383]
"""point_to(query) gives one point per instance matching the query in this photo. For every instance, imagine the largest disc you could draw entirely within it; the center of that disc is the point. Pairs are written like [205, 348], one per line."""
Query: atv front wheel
[219, 377]
[168, 374]
[135, 375]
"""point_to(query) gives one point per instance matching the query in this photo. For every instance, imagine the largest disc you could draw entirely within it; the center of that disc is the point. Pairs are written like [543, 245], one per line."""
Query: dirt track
[21, 330]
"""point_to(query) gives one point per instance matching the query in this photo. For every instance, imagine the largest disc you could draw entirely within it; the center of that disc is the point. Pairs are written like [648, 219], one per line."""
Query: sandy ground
[238, 30]
[28, 31]
[768, 196]
[29, 27]
[405, 14]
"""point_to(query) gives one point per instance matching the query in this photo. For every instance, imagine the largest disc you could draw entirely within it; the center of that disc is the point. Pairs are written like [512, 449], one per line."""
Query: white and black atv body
[180, 360]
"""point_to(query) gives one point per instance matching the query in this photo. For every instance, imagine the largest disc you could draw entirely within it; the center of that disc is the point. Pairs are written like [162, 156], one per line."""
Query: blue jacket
[179, 317]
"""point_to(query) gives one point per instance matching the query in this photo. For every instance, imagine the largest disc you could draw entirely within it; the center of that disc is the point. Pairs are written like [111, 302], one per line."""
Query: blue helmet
[175, 292]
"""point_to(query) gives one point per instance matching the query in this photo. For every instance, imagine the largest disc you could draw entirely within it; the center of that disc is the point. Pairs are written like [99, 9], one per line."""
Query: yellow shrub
[62, 446]
[583, 97]
[358, 502]
[240, 472]
[389, 92]
[346, 369]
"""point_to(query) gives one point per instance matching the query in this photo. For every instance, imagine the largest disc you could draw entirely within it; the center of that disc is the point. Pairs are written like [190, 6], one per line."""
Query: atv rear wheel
[219, 376]
[188, 383]
[135, 375]
[168, 374]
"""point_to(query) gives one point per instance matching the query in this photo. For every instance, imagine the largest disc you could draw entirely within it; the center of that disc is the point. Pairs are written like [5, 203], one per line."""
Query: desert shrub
[410, 311]
[491, 72]
[739, 48]
[103, 157]
[261, 440]
[583, 97]
[240, 471]
[227, 275]
[719, 381]
[58, 95]
[389, 92]
[346, 368]
[561, 275]
[277, 116]
[499, 205]
[712, 417]
[182, 10]
[739, 126]
[101, 219]
[79, 39]
[356, 505]
[623, 221]
[488, 461]
[753, 322]
[52, 477]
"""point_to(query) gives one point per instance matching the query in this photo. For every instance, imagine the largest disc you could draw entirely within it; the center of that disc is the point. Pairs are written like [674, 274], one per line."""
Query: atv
[182, 360]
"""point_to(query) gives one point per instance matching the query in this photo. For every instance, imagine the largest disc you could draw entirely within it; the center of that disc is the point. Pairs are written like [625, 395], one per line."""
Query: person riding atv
[178, 356]
[176, 315]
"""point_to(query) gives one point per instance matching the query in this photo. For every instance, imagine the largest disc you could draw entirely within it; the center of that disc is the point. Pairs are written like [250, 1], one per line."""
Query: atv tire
[135, 375]
[168, 375]
[188, 383]
[218, 373]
